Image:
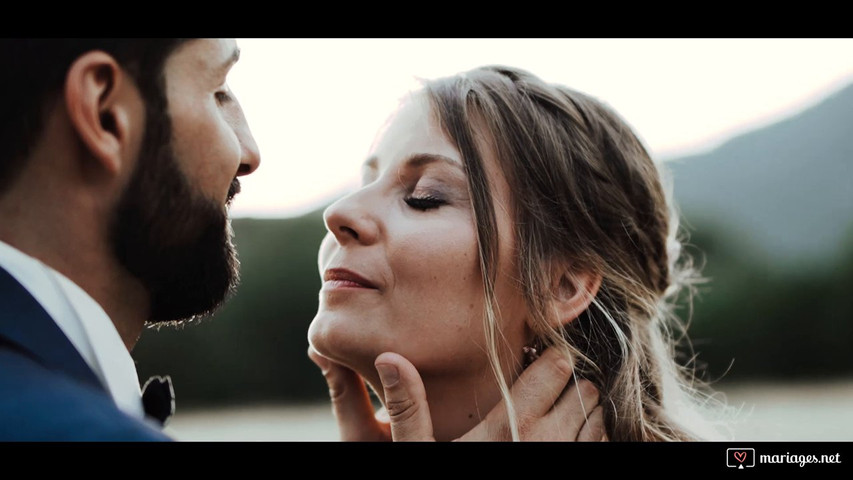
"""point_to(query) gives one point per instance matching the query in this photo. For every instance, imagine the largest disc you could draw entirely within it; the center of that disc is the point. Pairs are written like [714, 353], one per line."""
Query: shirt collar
[84, 322]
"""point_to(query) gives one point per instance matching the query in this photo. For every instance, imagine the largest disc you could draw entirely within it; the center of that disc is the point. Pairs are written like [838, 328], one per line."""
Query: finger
[593, 429]
[533, 394]
[574, 407]
[540, 385]
[405, 398]
[350, 401]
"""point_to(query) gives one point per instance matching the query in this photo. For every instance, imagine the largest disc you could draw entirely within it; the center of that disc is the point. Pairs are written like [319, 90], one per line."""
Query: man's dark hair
[34, 71]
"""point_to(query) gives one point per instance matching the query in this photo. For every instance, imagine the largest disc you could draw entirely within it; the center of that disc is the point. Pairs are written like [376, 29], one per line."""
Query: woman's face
[400, 265]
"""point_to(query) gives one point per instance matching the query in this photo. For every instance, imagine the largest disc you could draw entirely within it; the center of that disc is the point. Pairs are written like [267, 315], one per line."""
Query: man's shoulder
[39, 404]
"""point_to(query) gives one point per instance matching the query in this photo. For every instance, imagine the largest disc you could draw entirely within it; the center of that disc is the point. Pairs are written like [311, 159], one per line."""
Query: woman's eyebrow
[421, 159]
[416, 160]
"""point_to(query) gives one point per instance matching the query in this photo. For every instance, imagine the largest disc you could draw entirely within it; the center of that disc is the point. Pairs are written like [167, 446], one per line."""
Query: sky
[314, 105]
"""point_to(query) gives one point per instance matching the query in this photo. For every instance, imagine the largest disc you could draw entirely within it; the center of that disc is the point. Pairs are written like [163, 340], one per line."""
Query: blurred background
[757, 135]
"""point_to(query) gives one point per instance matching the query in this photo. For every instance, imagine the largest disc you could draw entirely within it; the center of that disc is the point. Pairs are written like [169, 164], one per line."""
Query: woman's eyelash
[427, 202]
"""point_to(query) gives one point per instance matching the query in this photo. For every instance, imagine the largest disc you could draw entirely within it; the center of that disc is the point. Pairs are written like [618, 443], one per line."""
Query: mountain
[785, 190]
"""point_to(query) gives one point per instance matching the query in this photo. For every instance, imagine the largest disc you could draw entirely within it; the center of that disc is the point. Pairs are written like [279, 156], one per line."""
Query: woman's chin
[352, 348]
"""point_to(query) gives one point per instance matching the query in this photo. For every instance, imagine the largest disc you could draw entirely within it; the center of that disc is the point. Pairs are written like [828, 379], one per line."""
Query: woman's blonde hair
[585, 194]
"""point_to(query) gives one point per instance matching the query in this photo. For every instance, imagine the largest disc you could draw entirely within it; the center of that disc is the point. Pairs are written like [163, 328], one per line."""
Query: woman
[500, 215]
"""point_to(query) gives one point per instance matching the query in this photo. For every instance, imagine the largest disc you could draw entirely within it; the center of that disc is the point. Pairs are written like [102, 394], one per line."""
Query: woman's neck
[457, 403]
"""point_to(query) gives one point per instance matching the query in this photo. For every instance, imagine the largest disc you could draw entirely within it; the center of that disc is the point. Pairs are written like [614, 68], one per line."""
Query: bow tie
[158, 398]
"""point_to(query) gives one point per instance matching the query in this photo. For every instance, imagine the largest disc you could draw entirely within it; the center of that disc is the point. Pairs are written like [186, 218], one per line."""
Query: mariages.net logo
[741, 458]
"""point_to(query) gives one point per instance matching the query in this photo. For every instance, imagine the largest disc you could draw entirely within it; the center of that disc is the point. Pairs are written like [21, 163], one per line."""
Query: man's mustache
[234, 189]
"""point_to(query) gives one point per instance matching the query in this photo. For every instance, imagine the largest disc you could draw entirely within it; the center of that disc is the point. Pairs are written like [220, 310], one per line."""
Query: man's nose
[250, 156]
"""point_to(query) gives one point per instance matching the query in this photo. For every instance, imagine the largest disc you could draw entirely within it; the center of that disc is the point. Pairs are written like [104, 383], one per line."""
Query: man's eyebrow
[370, 163]
[231, 60]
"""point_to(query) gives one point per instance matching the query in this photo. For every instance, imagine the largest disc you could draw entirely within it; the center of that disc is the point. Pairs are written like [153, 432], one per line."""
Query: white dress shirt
[84, 322]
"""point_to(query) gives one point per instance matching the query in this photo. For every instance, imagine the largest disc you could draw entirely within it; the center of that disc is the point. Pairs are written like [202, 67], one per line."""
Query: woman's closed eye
[424, 202]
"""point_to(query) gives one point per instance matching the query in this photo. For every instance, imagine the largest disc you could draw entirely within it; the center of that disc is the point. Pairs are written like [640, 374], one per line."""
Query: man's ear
[105, 108]
[572, 290]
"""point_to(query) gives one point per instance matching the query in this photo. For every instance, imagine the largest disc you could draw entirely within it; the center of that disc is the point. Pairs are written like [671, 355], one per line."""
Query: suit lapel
[24, 323]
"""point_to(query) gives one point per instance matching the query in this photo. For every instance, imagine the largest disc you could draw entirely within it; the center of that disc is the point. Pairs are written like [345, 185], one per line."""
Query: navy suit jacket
[47, 391]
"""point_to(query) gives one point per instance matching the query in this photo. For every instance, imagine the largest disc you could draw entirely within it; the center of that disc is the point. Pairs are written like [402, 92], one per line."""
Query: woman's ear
[105, 108]
[572, 292]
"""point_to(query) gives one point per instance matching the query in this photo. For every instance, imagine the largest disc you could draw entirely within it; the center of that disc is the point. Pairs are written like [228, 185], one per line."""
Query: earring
[532, 352]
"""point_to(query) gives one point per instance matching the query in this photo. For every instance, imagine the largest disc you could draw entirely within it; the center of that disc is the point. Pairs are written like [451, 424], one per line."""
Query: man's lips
[347, 278]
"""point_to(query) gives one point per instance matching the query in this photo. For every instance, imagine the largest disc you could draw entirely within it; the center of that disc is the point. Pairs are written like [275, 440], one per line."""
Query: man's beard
[173, 239]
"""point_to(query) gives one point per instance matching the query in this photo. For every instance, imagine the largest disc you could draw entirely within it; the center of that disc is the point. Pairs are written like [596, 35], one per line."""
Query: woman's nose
[351, 220]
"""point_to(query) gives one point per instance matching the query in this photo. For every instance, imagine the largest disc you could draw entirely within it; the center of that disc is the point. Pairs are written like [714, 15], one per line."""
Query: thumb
[405, 399]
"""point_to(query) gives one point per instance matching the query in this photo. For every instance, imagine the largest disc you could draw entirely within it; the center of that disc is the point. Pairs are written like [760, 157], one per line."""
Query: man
[118, 161]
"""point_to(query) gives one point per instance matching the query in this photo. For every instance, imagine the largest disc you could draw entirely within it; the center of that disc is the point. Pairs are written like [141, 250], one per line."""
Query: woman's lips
[343, 278]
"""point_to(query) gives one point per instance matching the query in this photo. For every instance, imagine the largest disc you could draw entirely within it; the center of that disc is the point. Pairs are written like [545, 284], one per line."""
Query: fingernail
[388, 374]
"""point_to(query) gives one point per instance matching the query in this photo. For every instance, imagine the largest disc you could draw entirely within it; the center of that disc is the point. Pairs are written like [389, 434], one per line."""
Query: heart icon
[740, 456]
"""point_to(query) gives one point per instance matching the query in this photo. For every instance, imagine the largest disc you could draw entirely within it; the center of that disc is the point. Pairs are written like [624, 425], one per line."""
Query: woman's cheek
[438, 303]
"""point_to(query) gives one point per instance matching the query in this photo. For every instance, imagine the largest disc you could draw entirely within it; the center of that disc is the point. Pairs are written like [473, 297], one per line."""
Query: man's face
[210, 137]
[171, 228]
